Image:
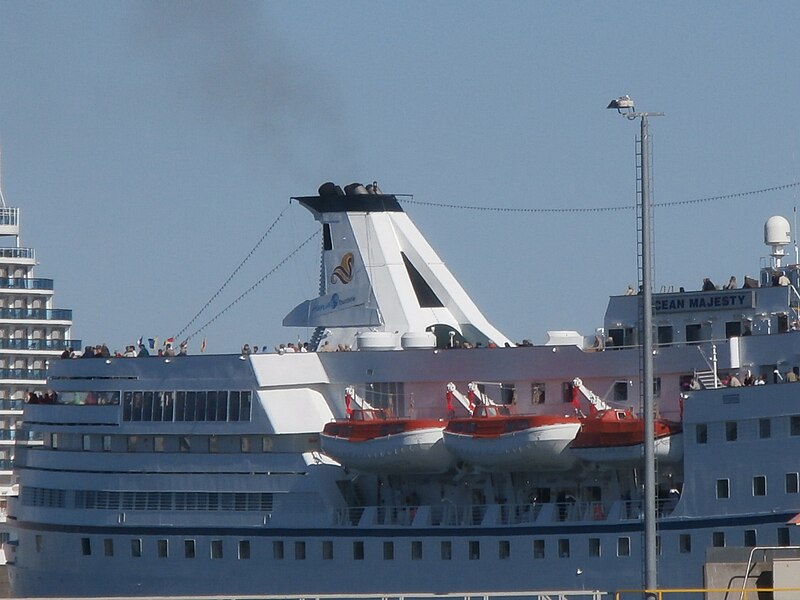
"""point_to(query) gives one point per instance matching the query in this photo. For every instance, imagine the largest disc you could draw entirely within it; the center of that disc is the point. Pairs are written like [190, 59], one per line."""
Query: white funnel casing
[379, 274]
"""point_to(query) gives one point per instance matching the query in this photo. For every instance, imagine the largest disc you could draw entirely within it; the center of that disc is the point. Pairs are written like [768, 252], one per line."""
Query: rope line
[256, 284]
[232, 275]
[604, 208]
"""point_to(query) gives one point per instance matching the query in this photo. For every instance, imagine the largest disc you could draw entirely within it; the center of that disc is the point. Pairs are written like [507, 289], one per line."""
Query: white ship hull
[668, 449]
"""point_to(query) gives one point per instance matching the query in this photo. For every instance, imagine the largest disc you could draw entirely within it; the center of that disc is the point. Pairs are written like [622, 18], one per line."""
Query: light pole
[625, 106]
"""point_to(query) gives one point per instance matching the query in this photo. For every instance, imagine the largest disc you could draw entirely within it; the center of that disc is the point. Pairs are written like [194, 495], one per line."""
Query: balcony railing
[7, 404]
[25, 283]
[9, 215]
[22, 374]
[24, 344]
[39, 314]
[17, 253]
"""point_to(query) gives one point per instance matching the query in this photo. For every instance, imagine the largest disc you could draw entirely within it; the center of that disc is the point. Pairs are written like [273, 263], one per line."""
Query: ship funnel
[355, 189]
[777, 234]
[330, 189]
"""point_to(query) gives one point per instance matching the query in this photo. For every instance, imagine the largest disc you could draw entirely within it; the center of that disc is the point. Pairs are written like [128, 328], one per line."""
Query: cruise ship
[32, 333]
[436, 455]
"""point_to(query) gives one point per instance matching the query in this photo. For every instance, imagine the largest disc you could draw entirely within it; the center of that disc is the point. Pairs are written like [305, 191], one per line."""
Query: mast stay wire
[232, 275]
[605, 208]
[256, 284]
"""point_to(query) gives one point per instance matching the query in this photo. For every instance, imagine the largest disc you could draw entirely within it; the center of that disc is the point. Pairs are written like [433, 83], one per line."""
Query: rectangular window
[216, 548]
[733, 329]
[388, 550]
[664, 335]
[299, 550]
[792, 483]
[504, 549]
[594, 547]
[657, 387]
[447, 550]
[358, 550]
[86, 546]
[189, 548]
[327, 550]
[794, 425]
[474, 550]
[693, 334]
[244, 549]
[701, 433]
[563, 548]
[54, 441]
[39, 543]
[624, 546]
[277, 550]
[621, 391]
[416, 550]
[158, 443]
[537, 393]
[759, 485]
[723, 488]
[749, 538]
[764, 428]
[685, 543]
[718, 539]
[184, 445]
[108, 547]
[566, 391]
[538, 548]
[86, 442]
[783, 536]
[163, 548]
[731, 431]
[136, 548]
[106, 443]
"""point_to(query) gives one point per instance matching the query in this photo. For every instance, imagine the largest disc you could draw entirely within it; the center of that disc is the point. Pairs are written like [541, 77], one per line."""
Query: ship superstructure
[207, 475]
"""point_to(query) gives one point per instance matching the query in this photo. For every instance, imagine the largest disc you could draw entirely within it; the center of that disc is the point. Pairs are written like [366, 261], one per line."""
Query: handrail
[660, 594]
[750, 560]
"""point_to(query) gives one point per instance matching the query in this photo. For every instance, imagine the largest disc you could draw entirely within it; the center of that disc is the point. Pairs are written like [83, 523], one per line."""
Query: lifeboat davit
[617, 436]
[494, 439]
[371, 441]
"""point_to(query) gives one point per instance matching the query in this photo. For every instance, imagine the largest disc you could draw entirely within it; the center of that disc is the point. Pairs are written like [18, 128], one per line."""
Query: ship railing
[709, 593]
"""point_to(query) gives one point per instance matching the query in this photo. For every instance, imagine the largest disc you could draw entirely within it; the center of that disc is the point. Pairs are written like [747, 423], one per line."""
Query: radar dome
[777, 232]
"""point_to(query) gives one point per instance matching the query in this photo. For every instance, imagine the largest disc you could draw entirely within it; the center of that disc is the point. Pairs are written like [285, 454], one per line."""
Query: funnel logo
[344, 272]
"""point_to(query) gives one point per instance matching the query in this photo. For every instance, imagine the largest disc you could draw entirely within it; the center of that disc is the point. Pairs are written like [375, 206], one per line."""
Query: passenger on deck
[246, 349]
[630, 291]
[761, 380]
[88, 352]
[731, 285]
[708, 285]
[733, 381]
[783, 280]
[142, 351]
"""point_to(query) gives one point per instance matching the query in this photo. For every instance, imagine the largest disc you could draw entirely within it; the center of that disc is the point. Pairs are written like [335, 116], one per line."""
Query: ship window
[794, 425]
[685, 543]
[277, 550]
[200, 403]
[190, 407]
[783, 323]
[163, 548]
[54, 441]
[158, 443]
[563, 548]
[538, 548]
[244, 411]
[184, 445]
[245, 444]
[749, 538]
[211, 406]
[132, 442]
[136, 548]
[566, 391]
[388, 550]
[216, 548]
[234, 399]
[474, 550]
[759, 485]
[180, 405]
[733, 329]
[108, 547]
[447, 550]
[507, 393]
[504, 549]
[792, 483]
[624, 546]
[389, 395]
[106, 443]
[244, 549]
[327, 550]
[213, 444]
[657, 387]
[620, 391]
[701, 433]
[86, 546]
[189, 548]
[299, 550]
[731, 431]
[658, 545]
[723, 488]
[594, 547]
[664, 335]
[147, 406]
[86, 442]
[764, 428]
[718, 539]
[693, 333]
[416, 550]
[39, 543]
[783, 536]
[426, 297]
[537, 393]
[358, 550]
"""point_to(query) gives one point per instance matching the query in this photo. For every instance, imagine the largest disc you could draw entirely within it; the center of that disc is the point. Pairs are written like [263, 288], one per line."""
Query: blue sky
[150, 146]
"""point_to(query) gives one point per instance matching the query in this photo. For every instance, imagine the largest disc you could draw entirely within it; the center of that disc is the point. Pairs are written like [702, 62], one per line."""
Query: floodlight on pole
[625, 106]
